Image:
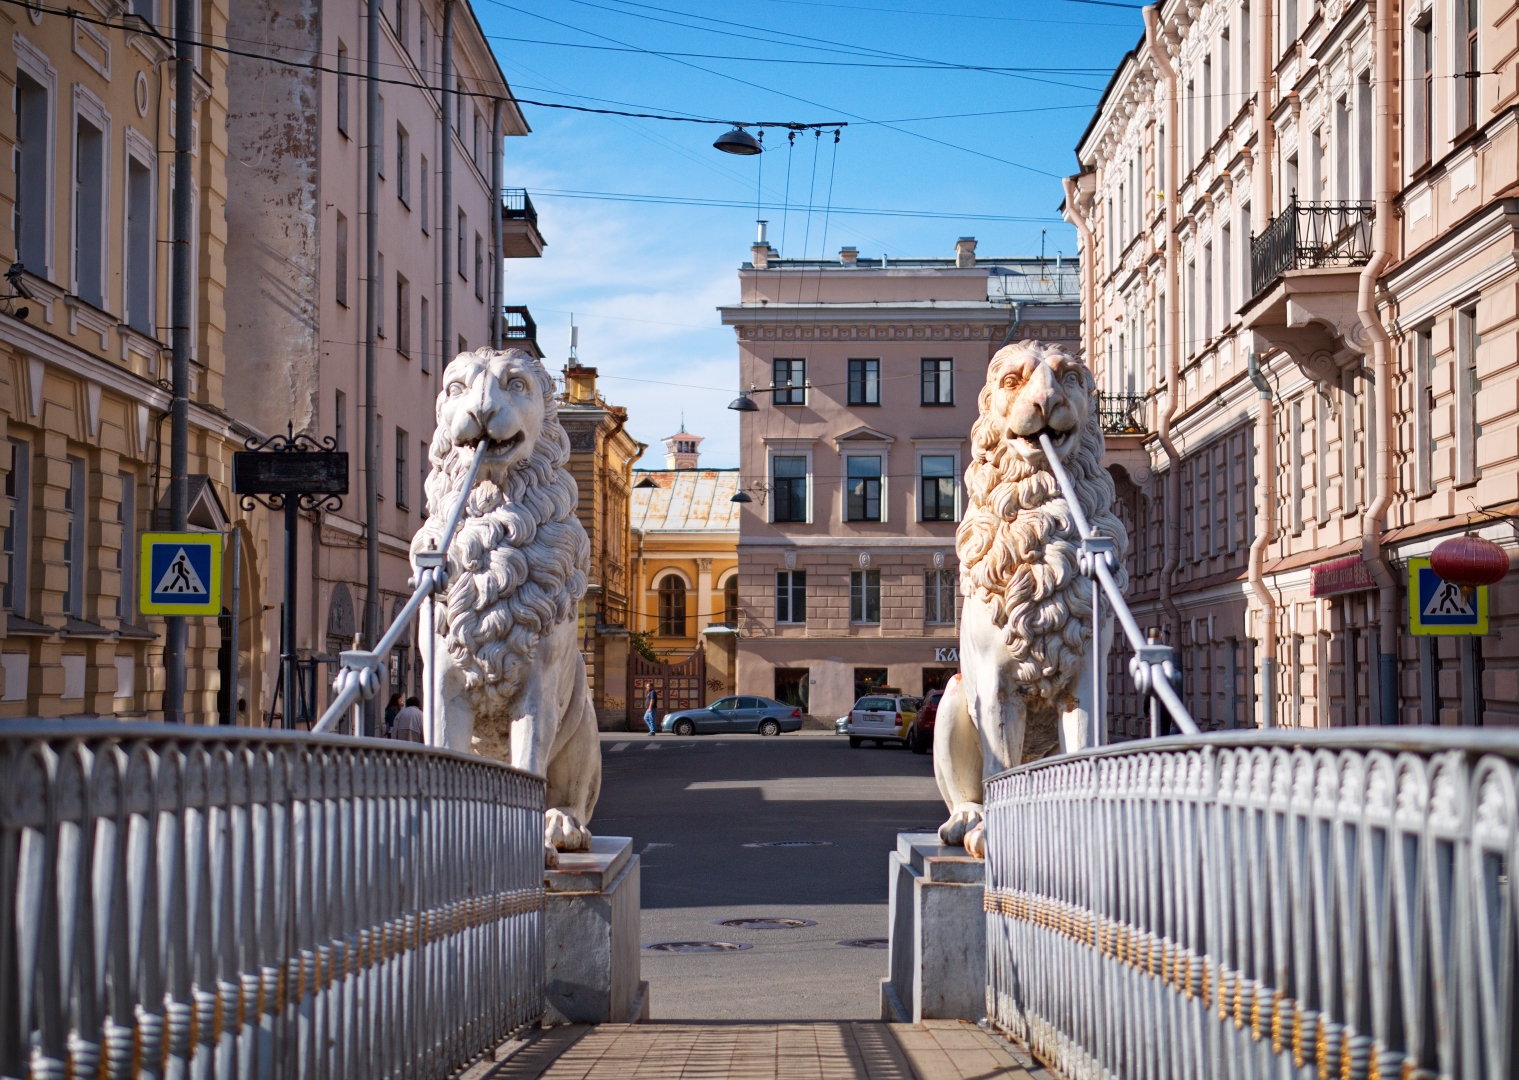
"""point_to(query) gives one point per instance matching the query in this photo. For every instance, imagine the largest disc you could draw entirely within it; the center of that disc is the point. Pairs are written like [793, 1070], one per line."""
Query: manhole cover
[696, 946]
[867, 943]
[765, 924]
[792, 843]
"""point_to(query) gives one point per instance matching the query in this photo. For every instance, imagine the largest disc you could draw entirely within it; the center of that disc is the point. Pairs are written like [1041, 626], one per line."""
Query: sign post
[1437, 607]
[290, 472]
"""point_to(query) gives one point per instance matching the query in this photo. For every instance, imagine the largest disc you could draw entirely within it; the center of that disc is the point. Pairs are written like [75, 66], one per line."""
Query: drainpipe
[1173, 337]
[446, 162]
[1074, 215]
[1372, 521]
[1265, 422]
[371, 379]
[498, 284]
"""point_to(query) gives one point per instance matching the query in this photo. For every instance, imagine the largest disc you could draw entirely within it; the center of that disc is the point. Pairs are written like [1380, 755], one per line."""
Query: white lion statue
[509, 680]
[1025, 637]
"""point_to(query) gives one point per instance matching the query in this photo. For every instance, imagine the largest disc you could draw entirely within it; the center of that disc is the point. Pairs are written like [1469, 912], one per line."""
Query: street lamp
[738, 141]
[743, 403]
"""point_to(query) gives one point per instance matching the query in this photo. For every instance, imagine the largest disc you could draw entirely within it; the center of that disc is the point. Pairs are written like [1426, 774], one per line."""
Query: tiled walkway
[733, 1050]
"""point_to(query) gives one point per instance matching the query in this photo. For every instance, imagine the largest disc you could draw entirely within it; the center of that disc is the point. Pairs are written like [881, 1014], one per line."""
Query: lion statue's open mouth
[505, 630]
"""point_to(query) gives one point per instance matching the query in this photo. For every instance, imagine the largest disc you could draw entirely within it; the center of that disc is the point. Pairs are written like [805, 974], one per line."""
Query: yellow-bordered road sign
[1437, 606]
[181, 573]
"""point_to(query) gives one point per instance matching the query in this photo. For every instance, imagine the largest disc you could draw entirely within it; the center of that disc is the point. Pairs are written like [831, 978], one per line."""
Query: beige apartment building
[296, 268]
[865, 374]
[84, 357]
[1298, 226]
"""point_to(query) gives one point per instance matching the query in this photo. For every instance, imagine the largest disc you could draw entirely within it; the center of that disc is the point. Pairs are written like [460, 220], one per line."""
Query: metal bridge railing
[1152, 666]
[225, 902]
[1283, 904]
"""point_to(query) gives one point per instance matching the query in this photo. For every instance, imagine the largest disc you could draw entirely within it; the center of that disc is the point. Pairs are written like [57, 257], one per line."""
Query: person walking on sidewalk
[651, 708]
[408, 722]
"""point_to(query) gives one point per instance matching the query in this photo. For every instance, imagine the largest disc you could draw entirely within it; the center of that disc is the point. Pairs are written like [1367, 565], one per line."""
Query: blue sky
[644, 279]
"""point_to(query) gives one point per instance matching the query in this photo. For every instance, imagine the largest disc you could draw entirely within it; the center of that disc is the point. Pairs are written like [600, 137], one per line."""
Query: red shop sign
[1347, 575]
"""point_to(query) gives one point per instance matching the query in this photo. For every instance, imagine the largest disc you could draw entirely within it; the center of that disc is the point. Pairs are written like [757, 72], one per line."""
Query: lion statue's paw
[966, 817]
[562, 831]
[975, 842]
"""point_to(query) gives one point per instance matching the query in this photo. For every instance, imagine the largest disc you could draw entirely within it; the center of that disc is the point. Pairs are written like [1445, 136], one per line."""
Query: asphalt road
[699, 810]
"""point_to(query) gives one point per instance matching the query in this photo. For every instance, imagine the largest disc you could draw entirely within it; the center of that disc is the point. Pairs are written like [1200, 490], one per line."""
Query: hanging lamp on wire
[738, 141]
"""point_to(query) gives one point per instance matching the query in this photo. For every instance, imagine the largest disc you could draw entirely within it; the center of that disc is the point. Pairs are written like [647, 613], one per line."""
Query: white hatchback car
[882, 718]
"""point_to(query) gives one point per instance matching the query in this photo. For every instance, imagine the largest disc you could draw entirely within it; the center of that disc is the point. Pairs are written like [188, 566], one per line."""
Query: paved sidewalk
[735, 1050]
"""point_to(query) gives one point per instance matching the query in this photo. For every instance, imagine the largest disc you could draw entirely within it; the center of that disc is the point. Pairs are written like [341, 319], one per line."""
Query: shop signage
[950, 655]
[1440, 607]
[1347, 575]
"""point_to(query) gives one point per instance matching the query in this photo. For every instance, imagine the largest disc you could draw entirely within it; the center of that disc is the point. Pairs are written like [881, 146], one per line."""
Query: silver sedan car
[735, 716]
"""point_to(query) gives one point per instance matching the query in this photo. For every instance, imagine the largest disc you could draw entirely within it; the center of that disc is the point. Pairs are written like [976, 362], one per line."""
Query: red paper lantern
[1469, 560]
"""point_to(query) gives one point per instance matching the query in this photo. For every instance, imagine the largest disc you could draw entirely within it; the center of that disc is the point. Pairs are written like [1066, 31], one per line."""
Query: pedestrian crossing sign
[181, 574]
[1440, 607]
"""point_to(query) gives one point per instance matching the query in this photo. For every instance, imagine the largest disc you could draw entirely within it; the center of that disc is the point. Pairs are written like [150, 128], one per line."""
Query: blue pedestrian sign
[181, 574]
[1440, 607]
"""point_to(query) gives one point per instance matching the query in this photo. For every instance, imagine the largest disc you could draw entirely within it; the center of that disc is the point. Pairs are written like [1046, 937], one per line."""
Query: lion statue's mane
[520, 558]
[1018, 544]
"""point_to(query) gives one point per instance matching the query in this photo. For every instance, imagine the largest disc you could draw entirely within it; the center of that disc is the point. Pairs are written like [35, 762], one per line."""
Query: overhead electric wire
[676, 200]
[940, 14]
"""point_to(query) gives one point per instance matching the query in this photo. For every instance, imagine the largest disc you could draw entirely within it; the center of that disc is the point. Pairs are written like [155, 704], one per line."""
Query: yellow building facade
[84, 356]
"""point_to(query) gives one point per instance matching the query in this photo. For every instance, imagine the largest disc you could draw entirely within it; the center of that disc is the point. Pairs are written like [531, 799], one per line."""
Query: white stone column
[703, 594]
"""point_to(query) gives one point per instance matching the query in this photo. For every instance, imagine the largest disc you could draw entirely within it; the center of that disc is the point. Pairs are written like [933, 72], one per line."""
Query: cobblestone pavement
[734, 1050]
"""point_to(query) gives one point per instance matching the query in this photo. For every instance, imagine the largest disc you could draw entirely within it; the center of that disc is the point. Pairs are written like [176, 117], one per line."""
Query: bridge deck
[746, 1050]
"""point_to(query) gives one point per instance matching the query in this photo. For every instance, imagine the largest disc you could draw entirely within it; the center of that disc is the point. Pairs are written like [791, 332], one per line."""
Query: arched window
[672, 606]
[730, 601]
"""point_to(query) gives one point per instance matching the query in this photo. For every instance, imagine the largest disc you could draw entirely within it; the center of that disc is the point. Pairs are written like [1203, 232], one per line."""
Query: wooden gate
[680, 686]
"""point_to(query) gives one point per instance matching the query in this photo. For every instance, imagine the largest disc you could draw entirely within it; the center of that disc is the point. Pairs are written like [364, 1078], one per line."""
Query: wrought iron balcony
[520, 330]
[1310, 236]
[1121, 414]
[517, 206]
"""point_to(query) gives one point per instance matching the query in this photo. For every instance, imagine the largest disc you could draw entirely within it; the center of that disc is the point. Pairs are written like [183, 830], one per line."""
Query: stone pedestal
[938, 933]
[591, 936]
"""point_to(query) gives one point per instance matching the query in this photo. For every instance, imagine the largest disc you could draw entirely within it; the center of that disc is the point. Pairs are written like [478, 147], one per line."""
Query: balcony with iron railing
[1305, 273]
[520, 331]
[1121, 414]
[520, 238]
[1309, 236]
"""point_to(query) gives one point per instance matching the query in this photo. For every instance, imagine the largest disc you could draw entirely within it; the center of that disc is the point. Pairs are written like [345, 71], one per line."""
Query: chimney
[760, 250]
[580, 385]
[965, 251]
[848, 256]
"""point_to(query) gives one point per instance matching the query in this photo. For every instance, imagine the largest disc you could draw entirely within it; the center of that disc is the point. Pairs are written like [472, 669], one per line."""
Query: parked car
[882, 718]
[841, 725]
[736, 716]
[920, 733]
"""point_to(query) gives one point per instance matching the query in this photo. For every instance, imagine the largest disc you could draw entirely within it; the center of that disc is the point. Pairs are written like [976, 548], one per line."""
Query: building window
[1295, 464]
[1422, 90]
[1207, 292]
[864, 382]
[938, 382]
[126, 514]
[1364, 139]
[141, 193]
[403, 165]
[74, 540]
[479, 267]
[1467, 95]
[403, 316]
[463, 246]
[18, 494]
[1466, 386]
[864, 488]
[400, 27]
[789, 381]
[1348, 487]
[424, 339]
[378, 434]
[89, 212]
[342, 89]
[340, 422]
[33, 192]
[403, 469]
[378, 314]
[1424, 405]
[672, 606]
[479, 127]
[868, 680]
[1289, 23]
[790, 483]
[1321, 411]
[730, 601]
[865, 596]
[380, 127]
[939, 590]
[1244, 52]
[1226, 273]
[791, 596]
[1207, 103]
[792, 685]
[342, 260]
[936, 488]
[422, 191]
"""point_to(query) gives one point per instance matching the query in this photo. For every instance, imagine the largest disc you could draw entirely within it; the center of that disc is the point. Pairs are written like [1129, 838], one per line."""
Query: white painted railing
[1283, 904]
[222, 902]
